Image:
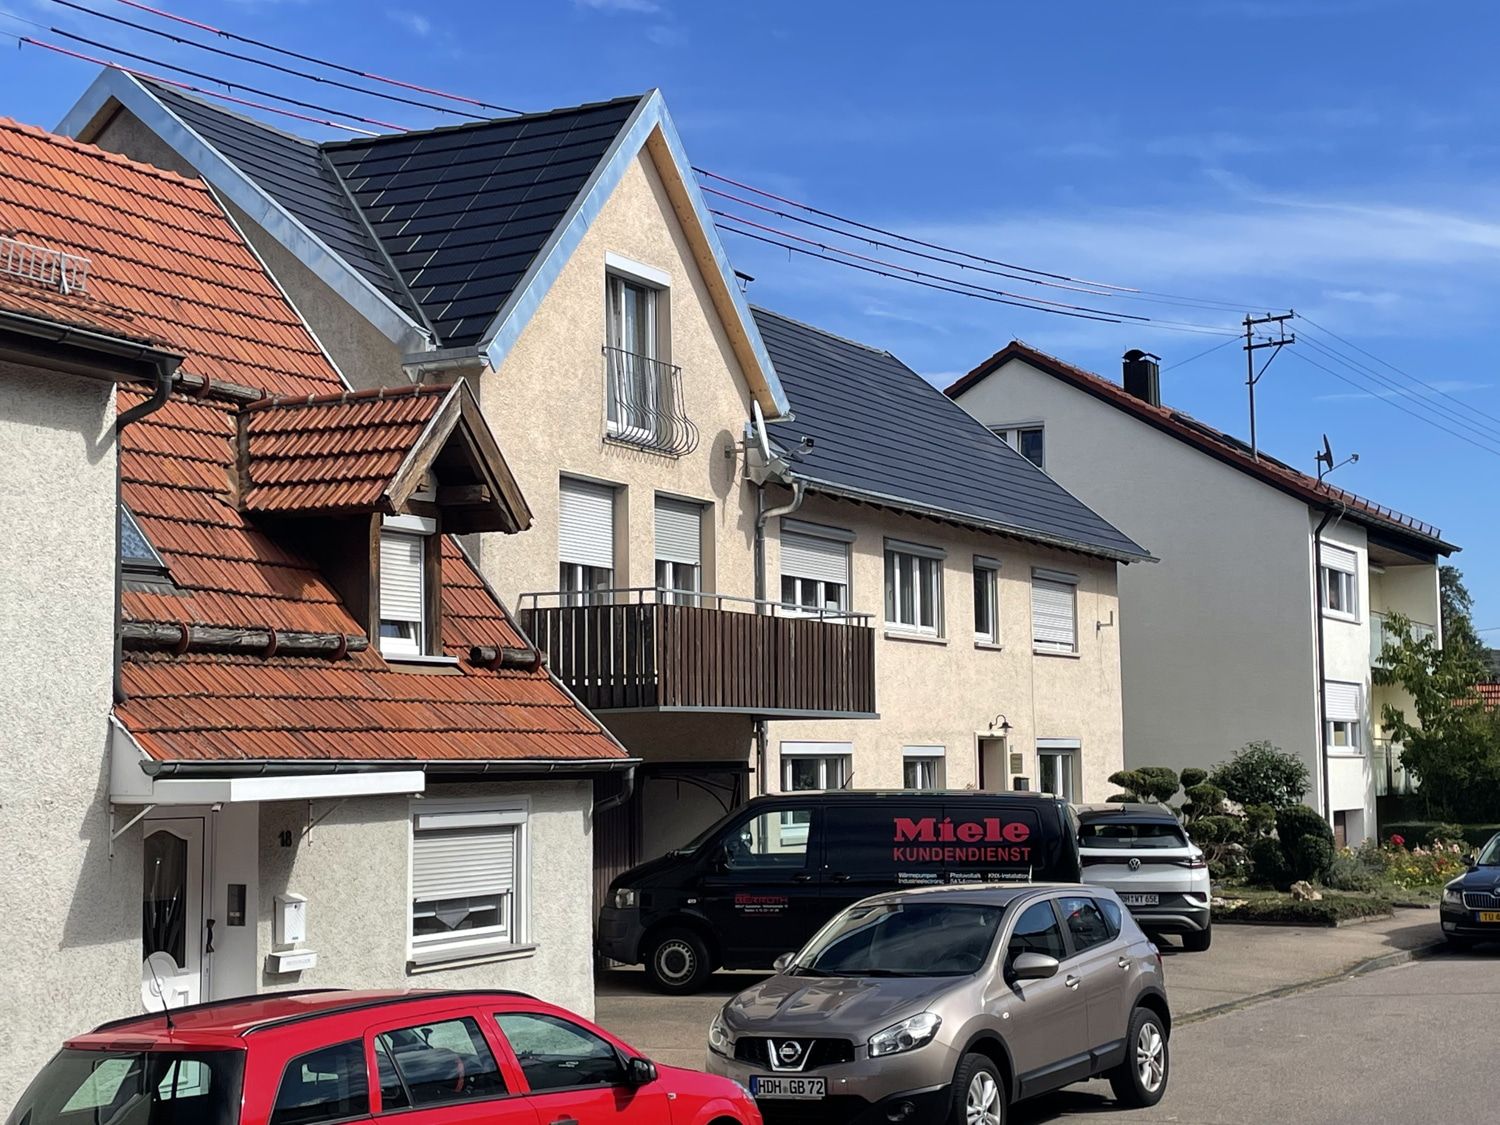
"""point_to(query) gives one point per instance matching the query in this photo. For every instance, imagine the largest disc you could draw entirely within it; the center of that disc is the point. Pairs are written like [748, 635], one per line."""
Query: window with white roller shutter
[679, 549]
[1338, 581]
[1054, 611]
[814, 571]
[585, 538]
[1343, 714]
[403, 585]
[468, 878]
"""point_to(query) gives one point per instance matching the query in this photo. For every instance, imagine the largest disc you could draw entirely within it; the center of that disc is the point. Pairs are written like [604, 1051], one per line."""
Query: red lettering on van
[929, 830]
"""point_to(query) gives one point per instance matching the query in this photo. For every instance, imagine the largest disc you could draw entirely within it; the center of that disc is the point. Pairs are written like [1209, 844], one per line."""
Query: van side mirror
[1033, 966]
[783, 963]
[640, 1072]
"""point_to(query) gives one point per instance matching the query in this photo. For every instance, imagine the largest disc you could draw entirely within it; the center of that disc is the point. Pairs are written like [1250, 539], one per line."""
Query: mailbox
[290, 925]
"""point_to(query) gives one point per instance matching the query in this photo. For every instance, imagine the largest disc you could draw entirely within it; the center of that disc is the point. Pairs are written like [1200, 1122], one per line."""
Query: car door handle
[1123, 962]
[1072, 981]
[840, 877]
[564, 1121]
[802, 877]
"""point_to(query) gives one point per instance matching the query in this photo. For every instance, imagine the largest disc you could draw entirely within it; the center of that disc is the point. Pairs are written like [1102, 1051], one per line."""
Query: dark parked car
[764, 879]
[1471, 903]
[426, 1058]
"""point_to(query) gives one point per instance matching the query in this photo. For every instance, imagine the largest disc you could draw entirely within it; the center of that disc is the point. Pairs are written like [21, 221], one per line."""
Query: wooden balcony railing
[645, 649]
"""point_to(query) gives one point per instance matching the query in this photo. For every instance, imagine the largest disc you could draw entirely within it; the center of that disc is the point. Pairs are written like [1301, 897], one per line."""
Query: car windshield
[1490, 855]
[903, 939]
[134, 1088]
[1131, 834]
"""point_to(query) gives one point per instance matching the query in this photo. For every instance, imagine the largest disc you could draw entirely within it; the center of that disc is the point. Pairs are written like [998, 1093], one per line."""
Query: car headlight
[719, 1039]
[907, 1035]
[627, 899]
[1453, 895]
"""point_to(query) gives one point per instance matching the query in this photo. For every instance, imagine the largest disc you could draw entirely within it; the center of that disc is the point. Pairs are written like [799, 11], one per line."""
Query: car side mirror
[640, 1072]
[783, 963]
[1033, 966]
[719, 857]
[1471, 861]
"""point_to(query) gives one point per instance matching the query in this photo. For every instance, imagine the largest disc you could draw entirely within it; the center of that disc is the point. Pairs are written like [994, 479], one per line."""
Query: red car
[432, 1058]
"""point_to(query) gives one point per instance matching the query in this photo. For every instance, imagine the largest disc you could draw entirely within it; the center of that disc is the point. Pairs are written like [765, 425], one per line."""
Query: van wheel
[678, 962]
[979, 1096]
[1198, 941]
[1141, 1079]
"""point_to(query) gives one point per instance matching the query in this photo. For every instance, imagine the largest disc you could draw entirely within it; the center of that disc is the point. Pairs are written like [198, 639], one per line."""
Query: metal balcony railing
[1390, 774]
[646, 406]
[1381, 635]
[642, 648]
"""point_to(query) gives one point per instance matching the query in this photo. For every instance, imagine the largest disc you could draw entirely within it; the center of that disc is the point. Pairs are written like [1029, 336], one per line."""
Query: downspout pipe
[1329, 516]
[764, 515]
[627, 790]
[166, 373]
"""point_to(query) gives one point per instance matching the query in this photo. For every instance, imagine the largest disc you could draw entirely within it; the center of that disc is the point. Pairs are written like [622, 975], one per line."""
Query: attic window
[407, 577]
[138, 558]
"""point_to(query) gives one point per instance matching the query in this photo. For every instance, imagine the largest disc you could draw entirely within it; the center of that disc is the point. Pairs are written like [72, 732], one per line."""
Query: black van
[762, 880]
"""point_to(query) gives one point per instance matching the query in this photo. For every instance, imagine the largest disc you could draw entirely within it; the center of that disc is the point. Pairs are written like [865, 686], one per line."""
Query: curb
[1358, 969]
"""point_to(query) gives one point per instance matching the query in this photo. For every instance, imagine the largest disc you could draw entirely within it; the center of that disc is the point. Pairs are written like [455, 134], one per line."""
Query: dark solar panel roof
[882, 431]
[463, 211]
[293, 172]
[459, 212]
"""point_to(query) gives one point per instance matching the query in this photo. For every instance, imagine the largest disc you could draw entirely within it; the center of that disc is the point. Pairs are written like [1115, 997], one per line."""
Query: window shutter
[401, 594]
[586, 524]
[678, 531]
[812, 556]
[463, 864]
[1342, 702]
[1052, 618]
[1339, 559]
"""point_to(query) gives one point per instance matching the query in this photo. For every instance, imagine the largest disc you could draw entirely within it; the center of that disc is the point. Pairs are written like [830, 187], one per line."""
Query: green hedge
[1327, 911]
[1415, 832]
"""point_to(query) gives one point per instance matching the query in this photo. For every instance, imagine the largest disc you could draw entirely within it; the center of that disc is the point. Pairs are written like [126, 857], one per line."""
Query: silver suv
[946, 1004]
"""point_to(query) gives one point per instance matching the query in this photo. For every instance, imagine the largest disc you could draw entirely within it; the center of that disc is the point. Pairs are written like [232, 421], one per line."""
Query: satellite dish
[762, 441]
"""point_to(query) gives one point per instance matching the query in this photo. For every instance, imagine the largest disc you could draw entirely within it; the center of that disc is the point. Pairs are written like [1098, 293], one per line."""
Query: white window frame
[619, 272]
[458, 813]
[1054, 578]
[1338, 568]
[990, 569]
[1353, 729]
[578, 580]
[1069, 752]
[677, 580]
[825, 754]
[922, 597]
[417, 529]
[1011, 435]
[926, 759]
[803, 586]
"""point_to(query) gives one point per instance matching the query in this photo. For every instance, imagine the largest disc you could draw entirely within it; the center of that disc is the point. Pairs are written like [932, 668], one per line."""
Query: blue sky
[1333, 156]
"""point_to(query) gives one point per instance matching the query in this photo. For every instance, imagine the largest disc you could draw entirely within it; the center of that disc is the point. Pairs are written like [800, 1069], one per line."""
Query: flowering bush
[1429, 866]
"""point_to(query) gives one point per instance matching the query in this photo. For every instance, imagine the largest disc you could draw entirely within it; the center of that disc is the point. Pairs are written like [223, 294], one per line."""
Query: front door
[172, 914]
[760, 892]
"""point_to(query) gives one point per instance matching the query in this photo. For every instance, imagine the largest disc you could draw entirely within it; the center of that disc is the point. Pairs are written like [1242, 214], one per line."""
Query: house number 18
[287, 837]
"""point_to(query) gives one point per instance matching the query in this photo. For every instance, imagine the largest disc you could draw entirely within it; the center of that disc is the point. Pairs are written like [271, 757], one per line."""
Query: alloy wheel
[982, 1106]
[1151, 1057]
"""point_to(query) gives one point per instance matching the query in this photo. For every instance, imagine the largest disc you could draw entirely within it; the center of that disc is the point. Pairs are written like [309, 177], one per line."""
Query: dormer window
[139, 561]
[404, 585]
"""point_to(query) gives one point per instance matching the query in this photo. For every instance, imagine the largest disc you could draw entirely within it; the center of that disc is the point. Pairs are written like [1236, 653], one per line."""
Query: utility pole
[1251, 347]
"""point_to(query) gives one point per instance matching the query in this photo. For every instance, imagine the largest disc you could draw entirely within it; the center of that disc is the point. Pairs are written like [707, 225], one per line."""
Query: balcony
[645, 407]
[1381, 635]
[644, 649]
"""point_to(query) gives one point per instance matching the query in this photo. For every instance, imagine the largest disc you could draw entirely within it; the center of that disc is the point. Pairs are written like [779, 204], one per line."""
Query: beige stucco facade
[72, 914]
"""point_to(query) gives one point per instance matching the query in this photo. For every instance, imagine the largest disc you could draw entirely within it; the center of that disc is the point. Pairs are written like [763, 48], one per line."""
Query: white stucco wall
[354, 868]
[1346, 659]
[1216, 639]
[72, 916]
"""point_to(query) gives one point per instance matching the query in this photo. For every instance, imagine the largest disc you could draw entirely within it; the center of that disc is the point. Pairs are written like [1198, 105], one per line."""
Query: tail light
[1197, 863]
[1155, 952]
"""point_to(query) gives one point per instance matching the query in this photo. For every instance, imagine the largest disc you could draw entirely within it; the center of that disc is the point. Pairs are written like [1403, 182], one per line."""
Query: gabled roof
[454, 234]
[884, 434]
[1217, 444]
[169, 263]
[368, 451]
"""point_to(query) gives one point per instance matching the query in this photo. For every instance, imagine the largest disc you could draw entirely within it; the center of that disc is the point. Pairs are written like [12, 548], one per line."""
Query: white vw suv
[1141, 853]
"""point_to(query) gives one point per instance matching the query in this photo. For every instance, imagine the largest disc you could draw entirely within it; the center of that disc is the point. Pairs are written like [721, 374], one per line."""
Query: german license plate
[1140, 900]
[1489, 915]
[805, 1089]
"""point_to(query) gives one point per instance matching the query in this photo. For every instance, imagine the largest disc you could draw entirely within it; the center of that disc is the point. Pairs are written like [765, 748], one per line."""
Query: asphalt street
[1415, 1043]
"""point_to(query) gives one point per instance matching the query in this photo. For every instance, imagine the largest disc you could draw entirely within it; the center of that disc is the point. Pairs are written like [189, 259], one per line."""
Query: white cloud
[638, 7]
[414, 22]
[1437, 388]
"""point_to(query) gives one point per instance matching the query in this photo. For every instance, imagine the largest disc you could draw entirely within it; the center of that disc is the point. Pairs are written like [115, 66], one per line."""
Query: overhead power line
[238, 55]
[355, 71]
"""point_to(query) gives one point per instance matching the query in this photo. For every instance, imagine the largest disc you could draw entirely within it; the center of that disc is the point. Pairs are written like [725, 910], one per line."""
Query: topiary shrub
[1268, 864]
[1193, 776]
[1311, 858]
[1203, 799]
[1154, 784]
[1262, 774]
[1306, 842]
